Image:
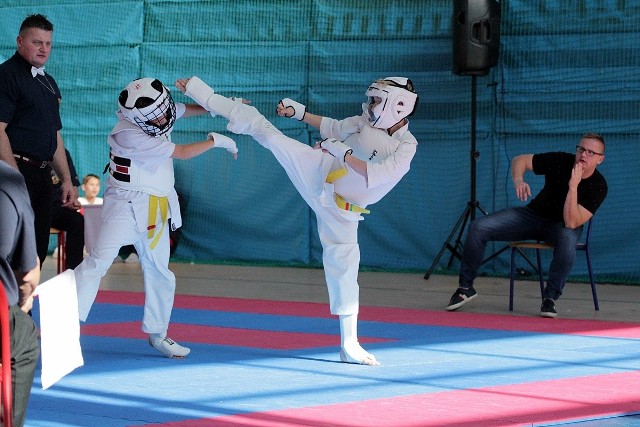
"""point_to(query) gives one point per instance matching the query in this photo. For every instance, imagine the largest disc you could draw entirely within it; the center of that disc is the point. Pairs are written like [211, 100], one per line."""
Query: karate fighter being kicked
[140, 201]
[360, 159]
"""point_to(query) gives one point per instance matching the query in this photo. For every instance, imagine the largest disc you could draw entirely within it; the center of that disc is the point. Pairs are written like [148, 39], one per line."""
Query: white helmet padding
[148, 103]
[397, 101]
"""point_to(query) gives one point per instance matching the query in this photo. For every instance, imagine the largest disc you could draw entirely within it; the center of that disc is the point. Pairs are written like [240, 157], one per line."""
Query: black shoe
[460, 297]
[548, 308]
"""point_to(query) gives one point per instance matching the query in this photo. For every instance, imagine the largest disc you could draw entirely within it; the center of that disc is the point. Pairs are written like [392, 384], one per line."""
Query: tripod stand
[469, 212]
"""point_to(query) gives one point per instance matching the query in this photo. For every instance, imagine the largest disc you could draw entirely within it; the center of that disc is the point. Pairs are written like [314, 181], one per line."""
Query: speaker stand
[469, 212]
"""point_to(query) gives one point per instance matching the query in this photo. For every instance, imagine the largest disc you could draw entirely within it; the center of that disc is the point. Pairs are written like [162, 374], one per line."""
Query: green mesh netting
[566, 67]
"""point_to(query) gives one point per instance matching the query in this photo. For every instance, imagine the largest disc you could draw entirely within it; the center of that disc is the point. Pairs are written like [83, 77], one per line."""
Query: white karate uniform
[83, 201]
[388, 160]
[125, 221]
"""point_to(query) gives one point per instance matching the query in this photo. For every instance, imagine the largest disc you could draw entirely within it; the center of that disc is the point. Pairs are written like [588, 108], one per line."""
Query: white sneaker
[132, 258]
[169, 348]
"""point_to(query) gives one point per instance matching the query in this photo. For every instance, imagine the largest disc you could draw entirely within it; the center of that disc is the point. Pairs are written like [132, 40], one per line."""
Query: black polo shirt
[31, 108]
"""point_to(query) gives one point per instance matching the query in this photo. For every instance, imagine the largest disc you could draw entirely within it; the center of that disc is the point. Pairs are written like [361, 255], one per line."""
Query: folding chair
[518, 246]
[62, 249]
[5, 357]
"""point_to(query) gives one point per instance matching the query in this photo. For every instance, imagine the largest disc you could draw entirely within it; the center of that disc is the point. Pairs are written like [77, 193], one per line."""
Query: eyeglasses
[590, 153]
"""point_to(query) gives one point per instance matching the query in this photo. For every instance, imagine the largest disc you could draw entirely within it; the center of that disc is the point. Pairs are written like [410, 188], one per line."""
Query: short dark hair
[36, 21]
[593, 135]
[88, 176]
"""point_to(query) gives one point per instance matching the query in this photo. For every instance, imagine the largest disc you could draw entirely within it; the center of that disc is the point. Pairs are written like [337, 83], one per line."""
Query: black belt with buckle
[31, 162]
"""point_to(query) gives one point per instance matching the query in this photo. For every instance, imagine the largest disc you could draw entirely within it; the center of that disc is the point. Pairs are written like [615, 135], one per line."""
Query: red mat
[597, 328]
[225, 336]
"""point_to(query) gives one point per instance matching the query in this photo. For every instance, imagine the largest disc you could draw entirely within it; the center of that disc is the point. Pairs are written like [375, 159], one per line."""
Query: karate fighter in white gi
[360, 160]
[140, 201]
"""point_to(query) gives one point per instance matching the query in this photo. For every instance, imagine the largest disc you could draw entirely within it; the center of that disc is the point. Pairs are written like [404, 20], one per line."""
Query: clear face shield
[388, 102]
[372, 108]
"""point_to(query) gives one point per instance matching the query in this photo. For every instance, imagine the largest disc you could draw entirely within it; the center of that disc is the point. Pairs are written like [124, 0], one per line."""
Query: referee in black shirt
[30, 124]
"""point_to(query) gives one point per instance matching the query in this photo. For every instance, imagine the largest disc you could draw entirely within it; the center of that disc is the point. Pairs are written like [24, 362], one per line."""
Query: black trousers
[39, 186]
[72, 222]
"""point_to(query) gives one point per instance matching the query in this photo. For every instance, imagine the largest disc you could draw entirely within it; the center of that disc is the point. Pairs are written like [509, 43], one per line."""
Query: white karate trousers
[159, 282]
[307, 169]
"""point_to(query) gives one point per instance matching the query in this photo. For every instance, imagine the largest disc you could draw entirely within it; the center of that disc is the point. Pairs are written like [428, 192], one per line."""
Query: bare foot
[354, 353]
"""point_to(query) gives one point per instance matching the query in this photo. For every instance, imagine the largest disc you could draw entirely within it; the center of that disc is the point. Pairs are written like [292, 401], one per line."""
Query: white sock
[351, 350]
[348, 329]
[157, 338]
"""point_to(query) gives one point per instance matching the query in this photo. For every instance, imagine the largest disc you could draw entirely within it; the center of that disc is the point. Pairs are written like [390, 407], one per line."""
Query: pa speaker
[476, 36]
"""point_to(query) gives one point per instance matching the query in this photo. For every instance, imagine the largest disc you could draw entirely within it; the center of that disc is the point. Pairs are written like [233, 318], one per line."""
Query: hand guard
[336, 148]
[299, 110]
[199, 91]
[221, 141]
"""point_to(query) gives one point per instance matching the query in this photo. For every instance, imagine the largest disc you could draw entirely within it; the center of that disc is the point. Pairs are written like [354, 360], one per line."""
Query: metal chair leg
[540, 274]
[593, 282]
[512, 278]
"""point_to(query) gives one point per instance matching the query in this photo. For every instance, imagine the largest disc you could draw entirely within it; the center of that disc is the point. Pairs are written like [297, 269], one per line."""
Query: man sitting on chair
[572, 192]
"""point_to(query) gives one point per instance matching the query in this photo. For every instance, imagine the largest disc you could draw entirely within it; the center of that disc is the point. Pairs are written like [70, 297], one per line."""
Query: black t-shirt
[31, 108]
[17, 235]
[556, 168]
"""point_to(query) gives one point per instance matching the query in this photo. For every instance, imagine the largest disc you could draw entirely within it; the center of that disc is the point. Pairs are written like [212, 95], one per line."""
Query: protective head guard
[389, 101]
[148, 103]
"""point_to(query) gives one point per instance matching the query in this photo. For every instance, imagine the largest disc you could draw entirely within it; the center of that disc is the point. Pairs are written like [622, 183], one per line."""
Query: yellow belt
[335, 175]
[154, 203]
[343, 204]
[340, 201]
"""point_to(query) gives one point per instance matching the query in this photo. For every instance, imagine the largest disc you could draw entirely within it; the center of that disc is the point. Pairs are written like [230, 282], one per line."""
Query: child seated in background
[91, 189]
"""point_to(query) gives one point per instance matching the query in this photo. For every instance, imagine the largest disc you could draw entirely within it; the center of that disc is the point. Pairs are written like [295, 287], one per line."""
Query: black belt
[31, 162]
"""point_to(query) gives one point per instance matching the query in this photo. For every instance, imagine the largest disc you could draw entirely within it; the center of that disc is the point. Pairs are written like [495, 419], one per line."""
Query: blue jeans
[520, 223]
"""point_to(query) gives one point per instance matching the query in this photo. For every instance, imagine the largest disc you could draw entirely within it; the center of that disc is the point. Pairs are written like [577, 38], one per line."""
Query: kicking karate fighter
[140, 199]
[360, 160]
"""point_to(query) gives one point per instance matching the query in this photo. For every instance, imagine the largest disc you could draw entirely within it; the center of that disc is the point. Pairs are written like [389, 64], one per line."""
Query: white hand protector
[299, 110]
[336, 148]
[221, 141]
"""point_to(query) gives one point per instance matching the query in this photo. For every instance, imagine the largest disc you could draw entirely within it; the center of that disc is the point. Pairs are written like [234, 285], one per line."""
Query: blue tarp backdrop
[565, 68]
